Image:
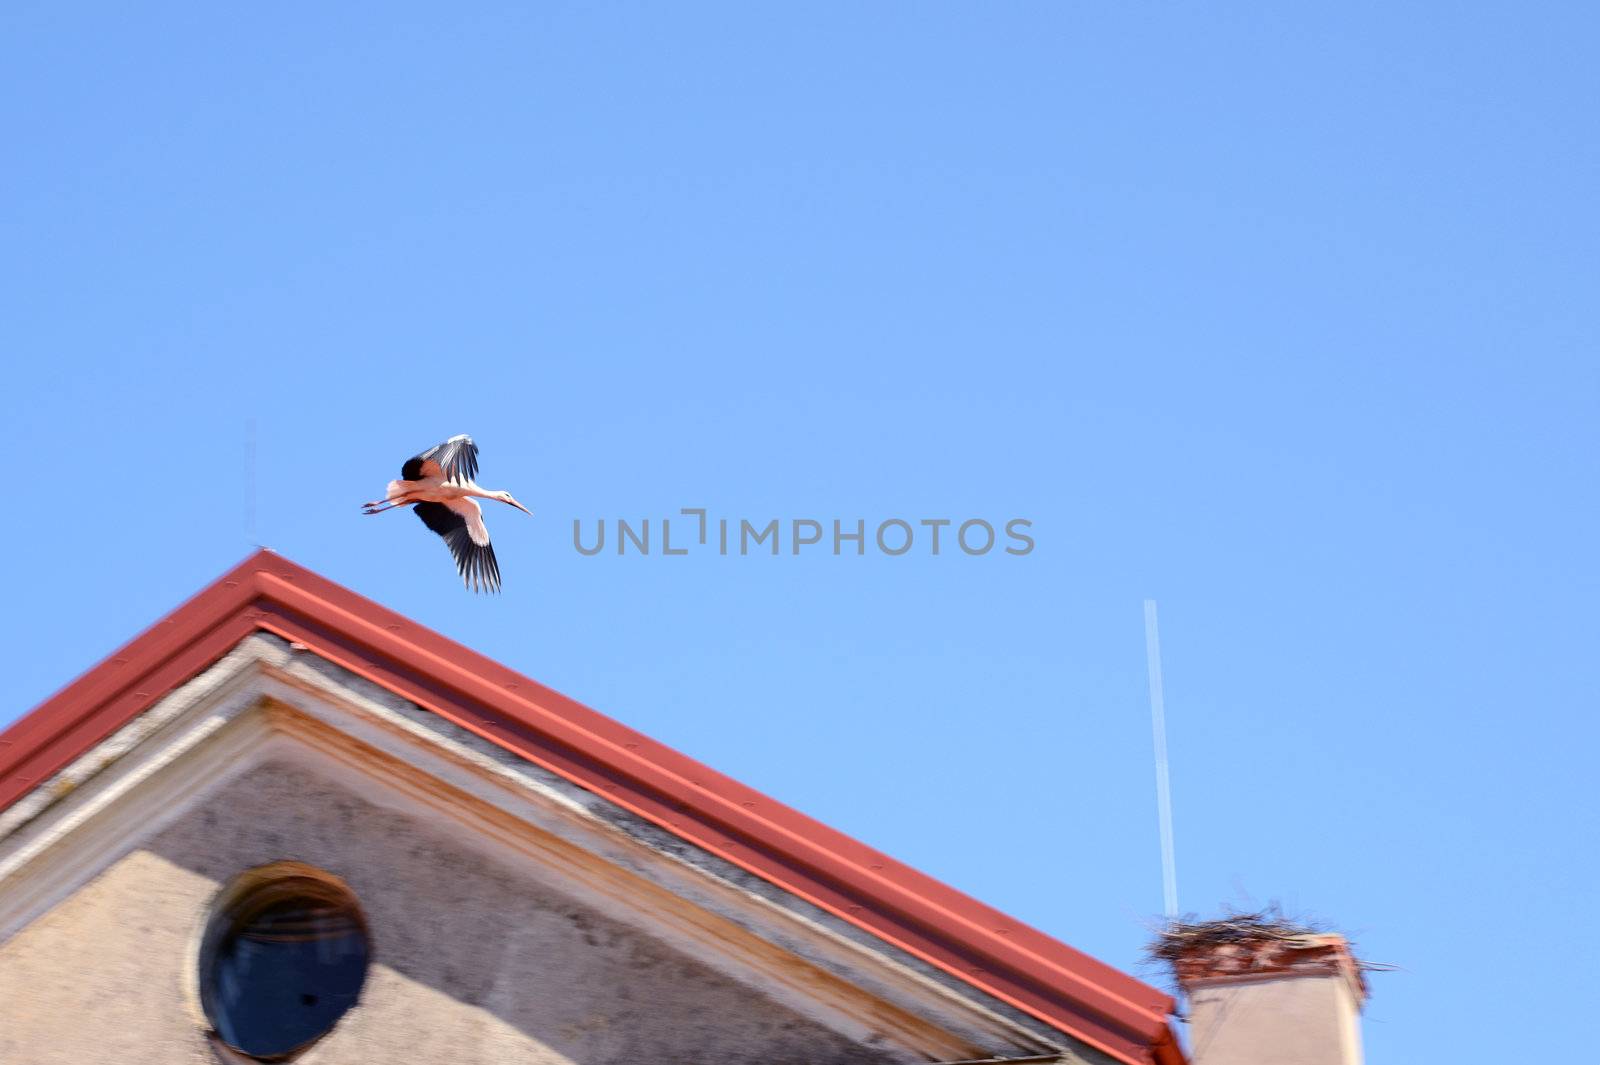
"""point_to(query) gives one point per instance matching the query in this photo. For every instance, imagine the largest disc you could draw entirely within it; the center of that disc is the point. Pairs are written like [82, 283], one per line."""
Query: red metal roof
[1069, 990]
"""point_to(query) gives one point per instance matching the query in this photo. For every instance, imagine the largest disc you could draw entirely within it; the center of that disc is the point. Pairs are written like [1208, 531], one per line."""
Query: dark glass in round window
[282, 961]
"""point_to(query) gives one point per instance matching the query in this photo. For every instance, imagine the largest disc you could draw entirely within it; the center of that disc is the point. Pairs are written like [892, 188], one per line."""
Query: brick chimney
[1270, 996]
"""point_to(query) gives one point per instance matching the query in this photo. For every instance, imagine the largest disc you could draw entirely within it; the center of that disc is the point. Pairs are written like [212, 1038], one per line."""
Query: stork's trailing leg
[400, 494]
[378, 506]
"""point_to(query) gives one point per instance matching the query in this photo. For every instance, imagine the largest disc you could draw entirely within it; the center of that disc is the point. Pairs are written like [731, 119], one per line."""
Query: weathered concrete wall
[472, 963]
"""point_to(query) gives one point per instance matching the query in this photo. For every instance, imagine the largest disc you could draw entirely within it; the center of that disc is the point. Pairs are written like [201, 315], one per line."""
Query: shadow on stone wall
[502, 968]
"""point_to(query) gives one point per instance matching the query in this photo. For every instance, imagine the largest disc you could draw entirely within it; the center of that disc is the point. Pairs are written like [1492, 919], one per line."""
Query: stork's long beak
[520, 507]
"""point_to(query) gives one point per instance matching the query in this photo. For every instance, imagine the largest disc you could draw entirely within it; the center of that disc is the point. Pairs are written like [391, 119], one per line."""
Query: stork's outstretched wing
[460, 523]
[454, 460]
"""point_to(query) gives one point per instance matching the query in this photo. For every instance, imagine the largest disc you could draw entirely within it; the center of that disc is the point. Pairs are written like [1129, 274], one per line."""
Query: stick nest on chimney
[1183, 938]
[1253, 944]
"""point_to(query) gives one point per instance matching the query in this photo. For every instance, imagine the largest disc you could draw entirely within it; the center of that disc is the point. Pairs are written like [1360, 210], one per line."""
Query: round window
[283, 957]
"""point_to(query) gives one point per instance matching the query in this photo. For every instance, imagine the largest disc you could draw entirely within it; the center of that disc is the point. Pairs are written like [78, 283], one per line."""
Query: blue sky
[1282, 315]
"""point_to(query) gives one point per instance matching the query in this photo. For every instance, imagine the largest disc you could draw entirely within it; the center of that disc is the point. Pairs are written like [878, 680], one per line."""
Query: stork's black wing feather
[455, 460]
[476, 563]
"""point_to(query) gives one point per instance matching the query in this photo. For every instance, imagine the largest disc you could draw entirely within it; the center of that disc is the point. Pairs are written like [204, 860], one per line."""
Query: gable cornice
[1021, 966]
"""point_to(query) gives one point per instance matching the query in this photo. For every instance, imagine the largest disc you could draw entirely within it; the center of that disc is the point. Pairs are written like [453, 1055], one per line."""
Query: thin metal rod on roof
[250, 481]
[1158, 724]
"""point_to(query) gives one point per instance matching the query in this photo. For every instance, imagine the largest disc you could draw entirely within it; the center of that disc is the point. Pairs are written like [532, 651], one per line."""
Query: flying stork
[439, 483]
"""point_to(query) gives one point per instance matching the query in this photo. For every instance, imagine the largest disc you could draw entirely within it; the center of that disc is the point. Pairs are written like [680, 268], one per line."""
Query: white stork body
[433, 490]
[438, 484]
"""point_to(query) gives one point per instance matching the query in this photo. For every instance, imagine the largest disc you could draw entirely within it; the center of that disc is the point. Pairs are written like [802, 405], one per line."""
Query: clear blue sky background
[1282, 314]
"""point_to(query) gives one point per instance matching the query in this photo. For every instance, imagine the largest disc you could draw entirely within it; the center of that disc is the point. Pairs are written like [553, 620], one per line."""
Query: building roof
[1067, 989]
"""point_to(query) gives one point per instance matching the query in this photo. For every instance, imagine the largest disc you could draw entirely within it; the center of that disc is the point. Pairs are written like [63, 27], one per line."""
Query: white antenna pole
[1158, 724]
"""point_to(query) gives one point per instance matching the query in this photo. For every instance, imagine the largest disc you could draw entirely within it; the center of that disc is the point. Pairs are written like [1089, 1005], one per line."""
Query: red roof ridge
[1078, 994]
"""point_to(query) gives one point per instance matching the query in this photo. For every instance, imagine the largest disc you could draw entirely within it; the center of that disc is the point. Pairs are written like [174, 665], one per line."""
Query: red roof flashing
[1069, 990]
